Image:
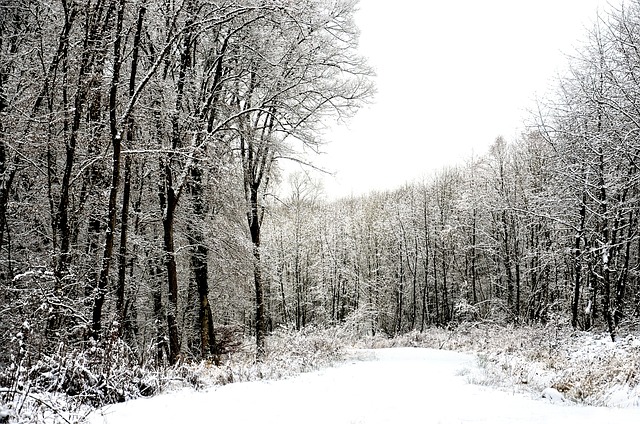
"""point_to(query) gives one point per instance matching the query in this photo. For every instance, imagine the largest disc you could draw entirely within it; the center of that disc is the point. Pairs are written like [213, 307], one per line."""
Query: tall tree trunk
[281, 273]
[516, 248]
[126, 189]
[169, 194]
[446, 310]
[122, 251]
[6, 179]
[606, 249]
[623, 277]
[116, 141]
[168, 203]
[506, 259]
[199, 265]
[63, 229]
[435, 287]
[160, 340]
[425, 288]
[400, 292]
[577, 263]
[261, 319]
[474, 256]
[7, 173]
[296, 277]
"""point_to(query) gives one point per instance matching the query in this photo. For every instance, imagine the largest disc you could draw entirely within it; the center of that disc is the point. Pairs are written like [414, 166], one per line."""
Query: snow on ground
[402, 385]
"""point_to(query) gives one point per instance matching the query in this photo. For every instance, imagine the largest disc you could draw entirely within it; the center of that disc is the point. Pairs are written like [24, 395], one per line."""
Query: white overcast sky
[451, 77]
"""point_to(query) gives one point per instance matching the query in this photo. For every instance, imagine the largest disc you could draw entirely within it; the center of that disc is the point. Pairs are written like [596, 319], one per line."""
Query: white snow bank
[400, 385]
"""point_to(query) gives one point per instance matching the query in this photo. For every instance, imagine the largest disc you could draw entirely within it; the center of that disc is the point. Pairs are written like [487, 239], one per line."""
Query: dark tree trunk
[116, 141]
[160, 343]
[126, 189]
[474, 257]
[623, 277]
[297, 280]
[425, 288]
[606, 250]
[6, 179]
[506, 258]
[261, 319]
[281, 275]
[446, 310]
[168, 202]
[517, 276]
[577, 264]
[435, 288]
[399, 293]
[170, 195]
[199, 265]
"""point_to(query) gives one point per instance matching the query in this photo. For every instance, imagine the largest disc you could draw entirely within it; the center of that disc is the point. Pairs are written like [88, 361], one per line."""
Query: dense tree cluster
[475, 242]
[137, 141]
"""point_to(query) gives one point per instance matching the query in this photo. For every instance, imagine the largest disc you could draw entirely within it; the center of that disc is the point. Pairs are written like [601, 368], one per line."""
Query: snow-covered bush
[73, 379]
[289, 353]
[41, 382]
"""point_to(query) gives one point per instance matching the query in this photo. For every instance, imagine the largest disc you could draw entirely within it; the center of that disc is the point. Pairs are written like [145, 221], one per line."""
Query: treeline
[137, 142]
[539, 229]
[515, 236]
[484, 241]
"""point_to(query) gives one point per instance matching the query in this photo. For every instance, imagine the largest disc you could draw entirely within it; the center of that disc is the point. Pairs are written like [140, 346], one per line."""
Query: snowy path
[402, 386]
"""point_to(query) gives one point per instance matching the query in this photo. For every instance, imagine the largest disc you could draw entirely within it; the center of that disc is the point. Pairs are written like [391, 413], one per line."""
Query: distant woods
[512, 237]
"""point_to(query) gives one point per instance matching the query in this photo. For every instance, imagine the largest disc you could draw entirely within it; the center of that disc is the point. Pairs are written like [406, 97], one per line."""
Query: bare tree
[289, 85]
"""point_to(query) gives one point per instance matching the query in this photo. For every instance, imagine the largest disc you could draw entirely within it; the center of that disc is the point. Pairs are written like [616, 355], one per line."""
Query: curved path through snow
[398, 386]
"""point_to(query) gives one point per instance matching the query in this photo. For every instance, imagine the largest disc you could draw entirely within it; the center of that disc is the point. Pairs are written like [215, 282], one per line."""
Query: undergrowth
[66, 386]
[587, 368]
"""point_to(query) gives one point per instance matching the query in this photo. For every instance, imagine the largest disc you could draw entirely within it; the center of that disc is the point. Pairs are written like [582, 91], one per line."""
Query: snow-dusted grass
[65, 389]
[563, 366]
[584, 367]
[289, 353]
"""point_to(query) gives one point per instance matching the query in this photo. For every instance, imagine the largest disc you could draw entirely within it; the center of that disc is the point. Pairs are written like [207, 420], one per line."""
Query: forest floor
[408, 385]
[474, 373]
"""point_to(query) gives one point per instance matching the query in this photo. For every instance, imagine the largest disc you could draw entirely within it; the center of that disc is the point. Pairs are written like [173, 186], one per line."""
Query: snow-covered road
[398, 386]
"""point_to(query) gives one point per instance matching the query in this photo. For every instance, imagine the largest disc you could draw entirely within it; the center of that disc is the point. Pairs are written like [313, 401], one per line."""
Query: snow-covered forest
[141, 229]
